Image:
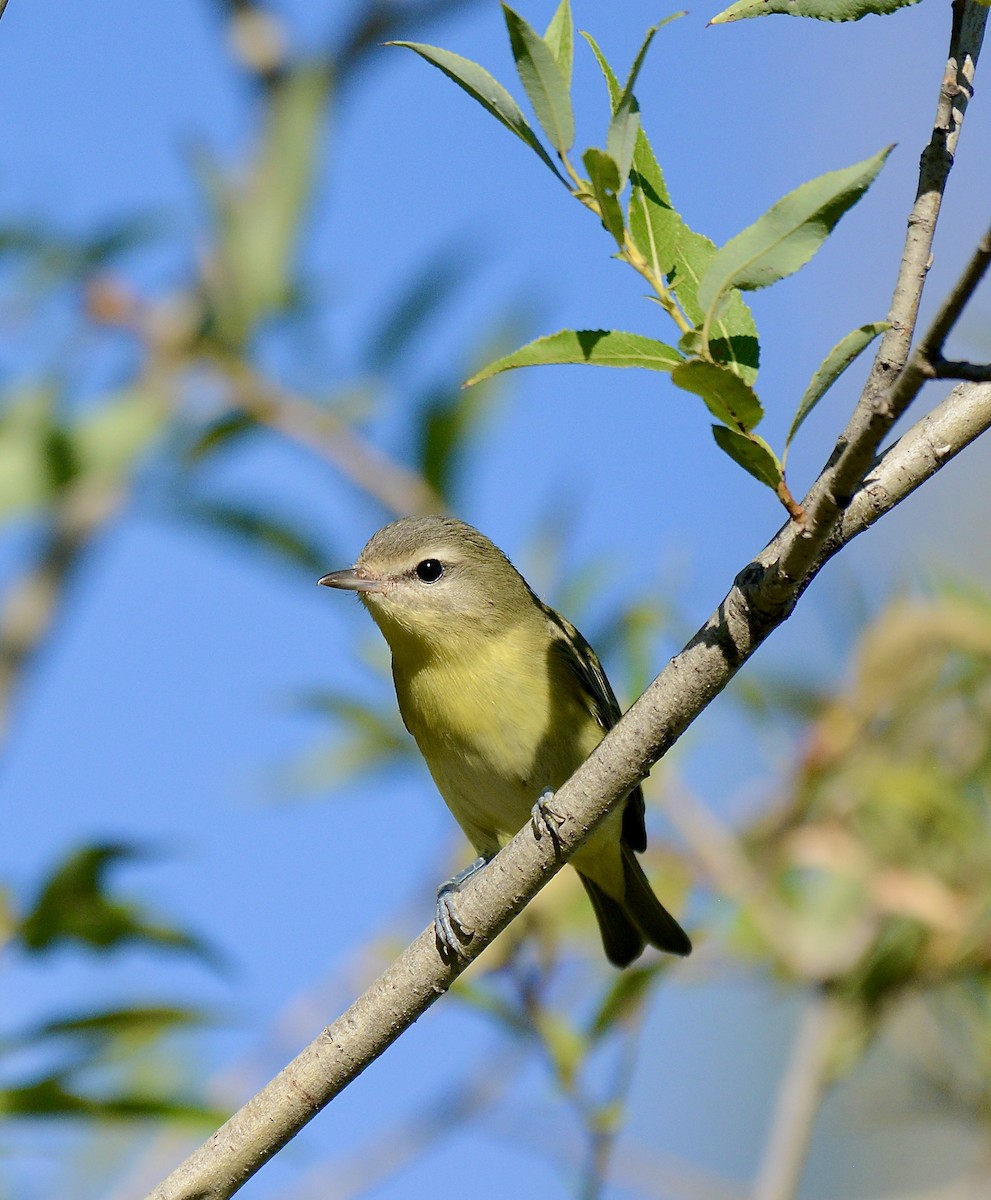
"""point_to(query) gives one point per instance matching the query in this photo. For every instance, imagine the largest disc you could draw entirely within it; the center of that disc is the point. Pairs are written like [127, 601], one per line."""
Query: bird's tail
[640, 918]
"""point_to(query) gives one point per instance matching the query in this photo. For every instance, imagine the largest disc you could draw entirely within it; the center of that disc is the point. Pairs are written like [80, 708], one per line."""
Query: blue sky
[162, 711]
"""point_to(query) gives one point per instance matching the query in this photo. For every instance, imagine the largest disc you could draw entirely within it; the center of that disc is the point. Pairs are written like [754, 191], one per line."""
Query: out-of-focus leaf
[625, 997]
[143, 1022]
[53, 1097]
[109, 440]
[25, 467]
[726, 395]
[488, 91]
[229, 428]
[593, 347]
[603, 173]
[258, 531]
[751, 452]
[75, 905]
[416, 304]
[448, 416]
[544, 81]
[371, 737]
[832, 367]
[791, 231]
[566, 1046]
[821, 10]
[258, 222]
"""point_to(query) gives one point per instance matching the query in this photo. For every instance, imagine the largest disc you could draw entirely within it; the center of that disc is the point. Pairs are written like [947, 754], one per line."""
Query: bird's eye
[430, 570]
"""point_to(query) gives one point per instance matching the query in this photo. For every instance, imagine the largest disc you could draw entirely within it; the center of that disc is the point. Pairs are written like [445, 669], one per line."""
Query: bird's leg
[448, 927]
[545, 818]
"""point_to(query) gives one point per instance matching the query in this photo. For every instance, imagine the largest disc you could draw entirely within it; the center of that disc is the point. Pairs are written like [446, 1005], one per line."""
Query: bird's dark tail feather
[625, 928]
[651, 917]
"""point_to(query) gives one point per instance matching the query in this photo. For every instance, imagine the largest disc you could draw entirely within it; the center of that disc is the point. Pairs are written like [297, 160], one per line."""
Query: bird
[505, 699]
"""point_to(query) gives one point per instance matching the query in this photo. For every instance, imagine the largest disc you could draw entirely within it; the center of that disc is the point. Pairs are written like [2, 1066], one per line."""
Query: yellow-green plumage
[505, 700]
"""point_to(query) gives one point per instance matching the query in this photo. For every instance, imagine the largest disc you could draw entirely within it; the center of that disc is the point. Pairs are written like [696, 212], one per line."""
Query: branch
[400, 489]
[966, 35]
[493, 897]
[843, 502]
[799, 1097]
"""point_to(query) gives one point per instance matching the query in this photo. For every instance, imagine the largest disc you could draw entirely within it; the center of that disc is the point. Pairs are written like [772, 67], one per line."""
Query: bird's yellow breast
[497, 721]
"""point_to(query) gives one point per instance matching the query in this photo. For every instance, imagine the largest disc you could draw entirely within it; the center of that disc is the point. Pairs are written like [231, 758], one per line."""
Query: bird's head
[435, 581]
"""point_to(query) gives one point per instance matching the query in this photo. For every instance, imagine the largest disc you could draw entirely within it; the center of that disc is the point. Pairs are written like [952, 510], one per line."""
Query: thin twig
[966, 35]
[491, 899]
[399, 488]
[802, 1090]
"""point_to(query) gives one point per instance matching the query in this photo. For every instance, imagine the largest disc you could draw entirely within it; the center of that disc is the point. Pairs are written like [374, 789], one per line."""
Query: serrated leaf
[624, 997]
[676, 253]
[560, 36]
[608, 73]
[791, 231]
[831, 368]
[543, 80]
[820, 10]
[593, 347]
[487, 90]
[729, 398]
[603, 174]
[752, 453]
[621, 138]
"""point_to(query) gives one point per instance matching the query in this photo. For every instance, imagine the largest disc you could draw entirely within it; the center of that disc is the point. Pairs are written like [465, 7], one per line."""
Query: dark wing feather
[584, 663]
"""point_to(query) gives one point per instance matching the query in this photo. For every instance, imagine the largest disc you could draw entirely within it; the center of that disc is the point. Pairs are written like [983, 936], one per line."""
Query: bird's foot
[450, 931]
[545, 818]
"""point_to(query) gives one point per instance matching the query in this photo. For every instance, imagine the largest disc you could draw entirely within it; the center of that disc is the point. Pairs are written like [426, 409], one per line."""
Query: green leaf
[821, 10]
[729, 398]
[604, 176]
[621, 139]
[143, 1022]
[788, 234]
[52, 1096]
[488, 91]
[75, 905]
[565, 1046]
[544, 81]
[752, 453]
[594, 347]
[676, 253]
[258, 530]
[625, 997]
[560, 36]
[109, 441]
[832, 367]
[416, 302]
[259, 219]
[225, 430]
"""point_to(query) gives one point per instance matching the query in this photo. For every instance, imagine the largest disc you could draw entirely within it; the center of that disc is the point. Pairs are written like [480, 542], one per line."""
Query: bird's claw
[544, 818]
[451, 932]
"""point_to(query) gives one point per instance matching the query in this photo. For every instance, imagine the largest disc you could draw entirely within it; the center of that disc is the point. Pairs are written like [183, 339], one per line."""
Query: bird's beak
[353, 579]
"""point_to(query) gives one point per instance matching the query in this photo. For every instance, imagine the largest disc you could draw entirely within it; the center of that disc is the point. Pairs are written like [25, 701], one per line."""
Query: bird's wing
[601, 701]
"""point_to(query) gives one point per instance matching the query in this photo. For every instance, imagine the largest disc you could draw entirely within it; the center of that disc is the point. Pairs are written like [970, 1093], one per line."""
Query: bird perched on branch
[505, 699]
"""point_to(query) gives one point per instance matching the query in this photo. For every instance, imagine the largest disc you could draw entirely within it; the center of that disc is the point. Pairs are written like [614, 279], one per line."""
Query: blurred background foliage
[861, 885]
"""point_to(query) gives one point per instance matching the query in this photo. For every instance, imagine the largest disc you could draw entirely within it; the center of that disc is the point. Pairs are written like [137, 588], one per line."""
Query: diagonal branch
[493, 897]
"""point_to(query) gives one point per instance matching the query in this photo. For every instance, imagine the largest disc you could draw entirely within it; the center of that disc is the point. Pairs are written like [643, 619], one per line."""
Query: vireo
[505, 699]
